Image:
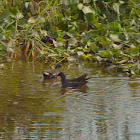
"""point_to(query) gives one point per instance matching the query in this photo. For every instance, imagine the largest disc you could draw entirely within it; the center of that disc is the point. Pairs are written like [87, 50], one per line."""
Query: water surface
[107, 108]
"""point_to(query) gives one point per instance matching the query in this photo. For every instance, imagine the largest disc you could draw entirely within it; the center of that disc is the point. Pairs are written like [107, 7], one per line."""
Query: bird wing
[80, 78]
[50, 72]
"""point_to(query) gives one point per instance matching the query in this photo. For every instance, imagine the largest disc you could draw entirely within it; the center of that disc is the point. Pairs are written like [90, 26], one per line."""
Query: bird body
[76, 82]
[51, 73]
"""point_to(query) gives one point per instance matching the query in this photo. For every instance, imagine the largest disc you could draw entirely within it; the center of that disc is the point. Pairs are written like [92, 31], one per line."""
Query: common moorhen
[51, 73]
[76, 82]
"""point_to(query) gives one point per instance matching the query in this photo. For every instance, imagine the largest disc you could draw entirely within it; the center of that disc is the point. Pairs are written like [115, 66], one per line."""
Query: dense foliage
[107, 32]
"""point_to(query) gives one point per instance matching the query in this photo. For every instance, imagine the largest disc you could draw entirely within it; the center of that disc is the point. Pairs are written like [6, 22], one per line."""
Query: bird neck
[57, 67]
[63, 78]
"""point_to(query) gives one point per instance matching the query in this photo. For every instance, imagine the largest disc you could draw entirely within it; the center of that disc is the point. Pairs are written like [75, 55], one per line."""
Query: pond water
[107, 108]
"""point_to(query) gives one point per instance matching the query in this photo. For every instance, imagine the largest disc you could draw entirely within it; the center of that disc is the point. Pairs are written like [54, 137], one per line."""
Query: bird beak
[57, 76]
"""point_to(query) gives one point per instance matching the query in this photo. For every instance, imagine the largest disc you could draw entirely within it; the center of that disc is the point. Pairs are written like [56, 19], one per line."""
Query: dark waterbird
[51, 73]
[76, 82]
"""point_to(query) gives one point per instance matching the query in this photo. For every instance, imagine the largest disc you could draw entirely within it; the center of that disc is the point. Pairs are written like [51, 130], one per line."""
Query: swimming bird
[51, 73]
[76, 82]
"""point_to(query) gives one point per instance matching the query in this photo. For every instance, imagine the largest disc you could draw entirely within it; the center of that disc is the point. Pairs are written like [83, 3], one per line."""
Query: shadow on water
[82, 89]
[30, 108]
[49, 82]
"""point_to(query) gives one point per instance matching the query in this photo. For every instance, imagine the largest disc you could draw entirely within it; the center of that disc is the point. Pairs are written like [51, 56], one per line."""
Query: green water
[108, 108]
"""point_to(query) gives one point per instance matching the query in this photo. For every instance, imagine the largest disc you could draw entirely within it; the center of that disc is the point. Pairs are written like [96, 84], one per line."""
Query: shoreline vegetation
[105, 32]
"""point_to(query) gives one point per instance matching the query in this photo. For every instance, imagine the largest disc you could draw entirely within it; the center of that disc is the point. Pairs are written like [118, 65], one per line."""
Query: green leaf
[135, 50]
[9, 24]
[94, 47]
[66, 2]
[115, 37]
[107, 54]
[122, 61]
[72, 41]
[58, 44]
[80, 53]
[74, 1]
[1, 47]
[117, 46]
[19, 16]
[4, 14]
[68, 15]
[86, 1]
[88, 9]
[13, 10]
[3, 52]
[90, 17]
[99, 58]
[116, 8]
[116, 26]
[133, 72]
[84, 41]
[80, 6]
[121, 2]
[104, 42]
[30, 52]
[27, 4]
[138, 38]
[2, 37]
[73, 33]
[23, 23]
[31, 20]
[98, 38]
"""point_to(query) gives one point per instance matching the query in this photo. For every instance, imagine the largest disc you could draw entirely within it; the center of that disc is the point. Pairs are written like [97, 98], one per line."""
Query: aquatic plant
[106, 32]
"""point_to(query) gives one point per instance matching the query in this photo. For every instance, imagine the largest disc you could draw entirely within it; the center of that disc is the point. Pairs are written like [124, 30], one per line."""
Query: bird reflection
[82, 89]
[49, 82]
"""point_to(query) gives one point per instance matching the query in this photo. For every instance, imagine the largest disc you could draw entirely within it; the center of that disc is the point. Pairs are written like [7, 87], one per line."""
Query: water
[107, 108]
